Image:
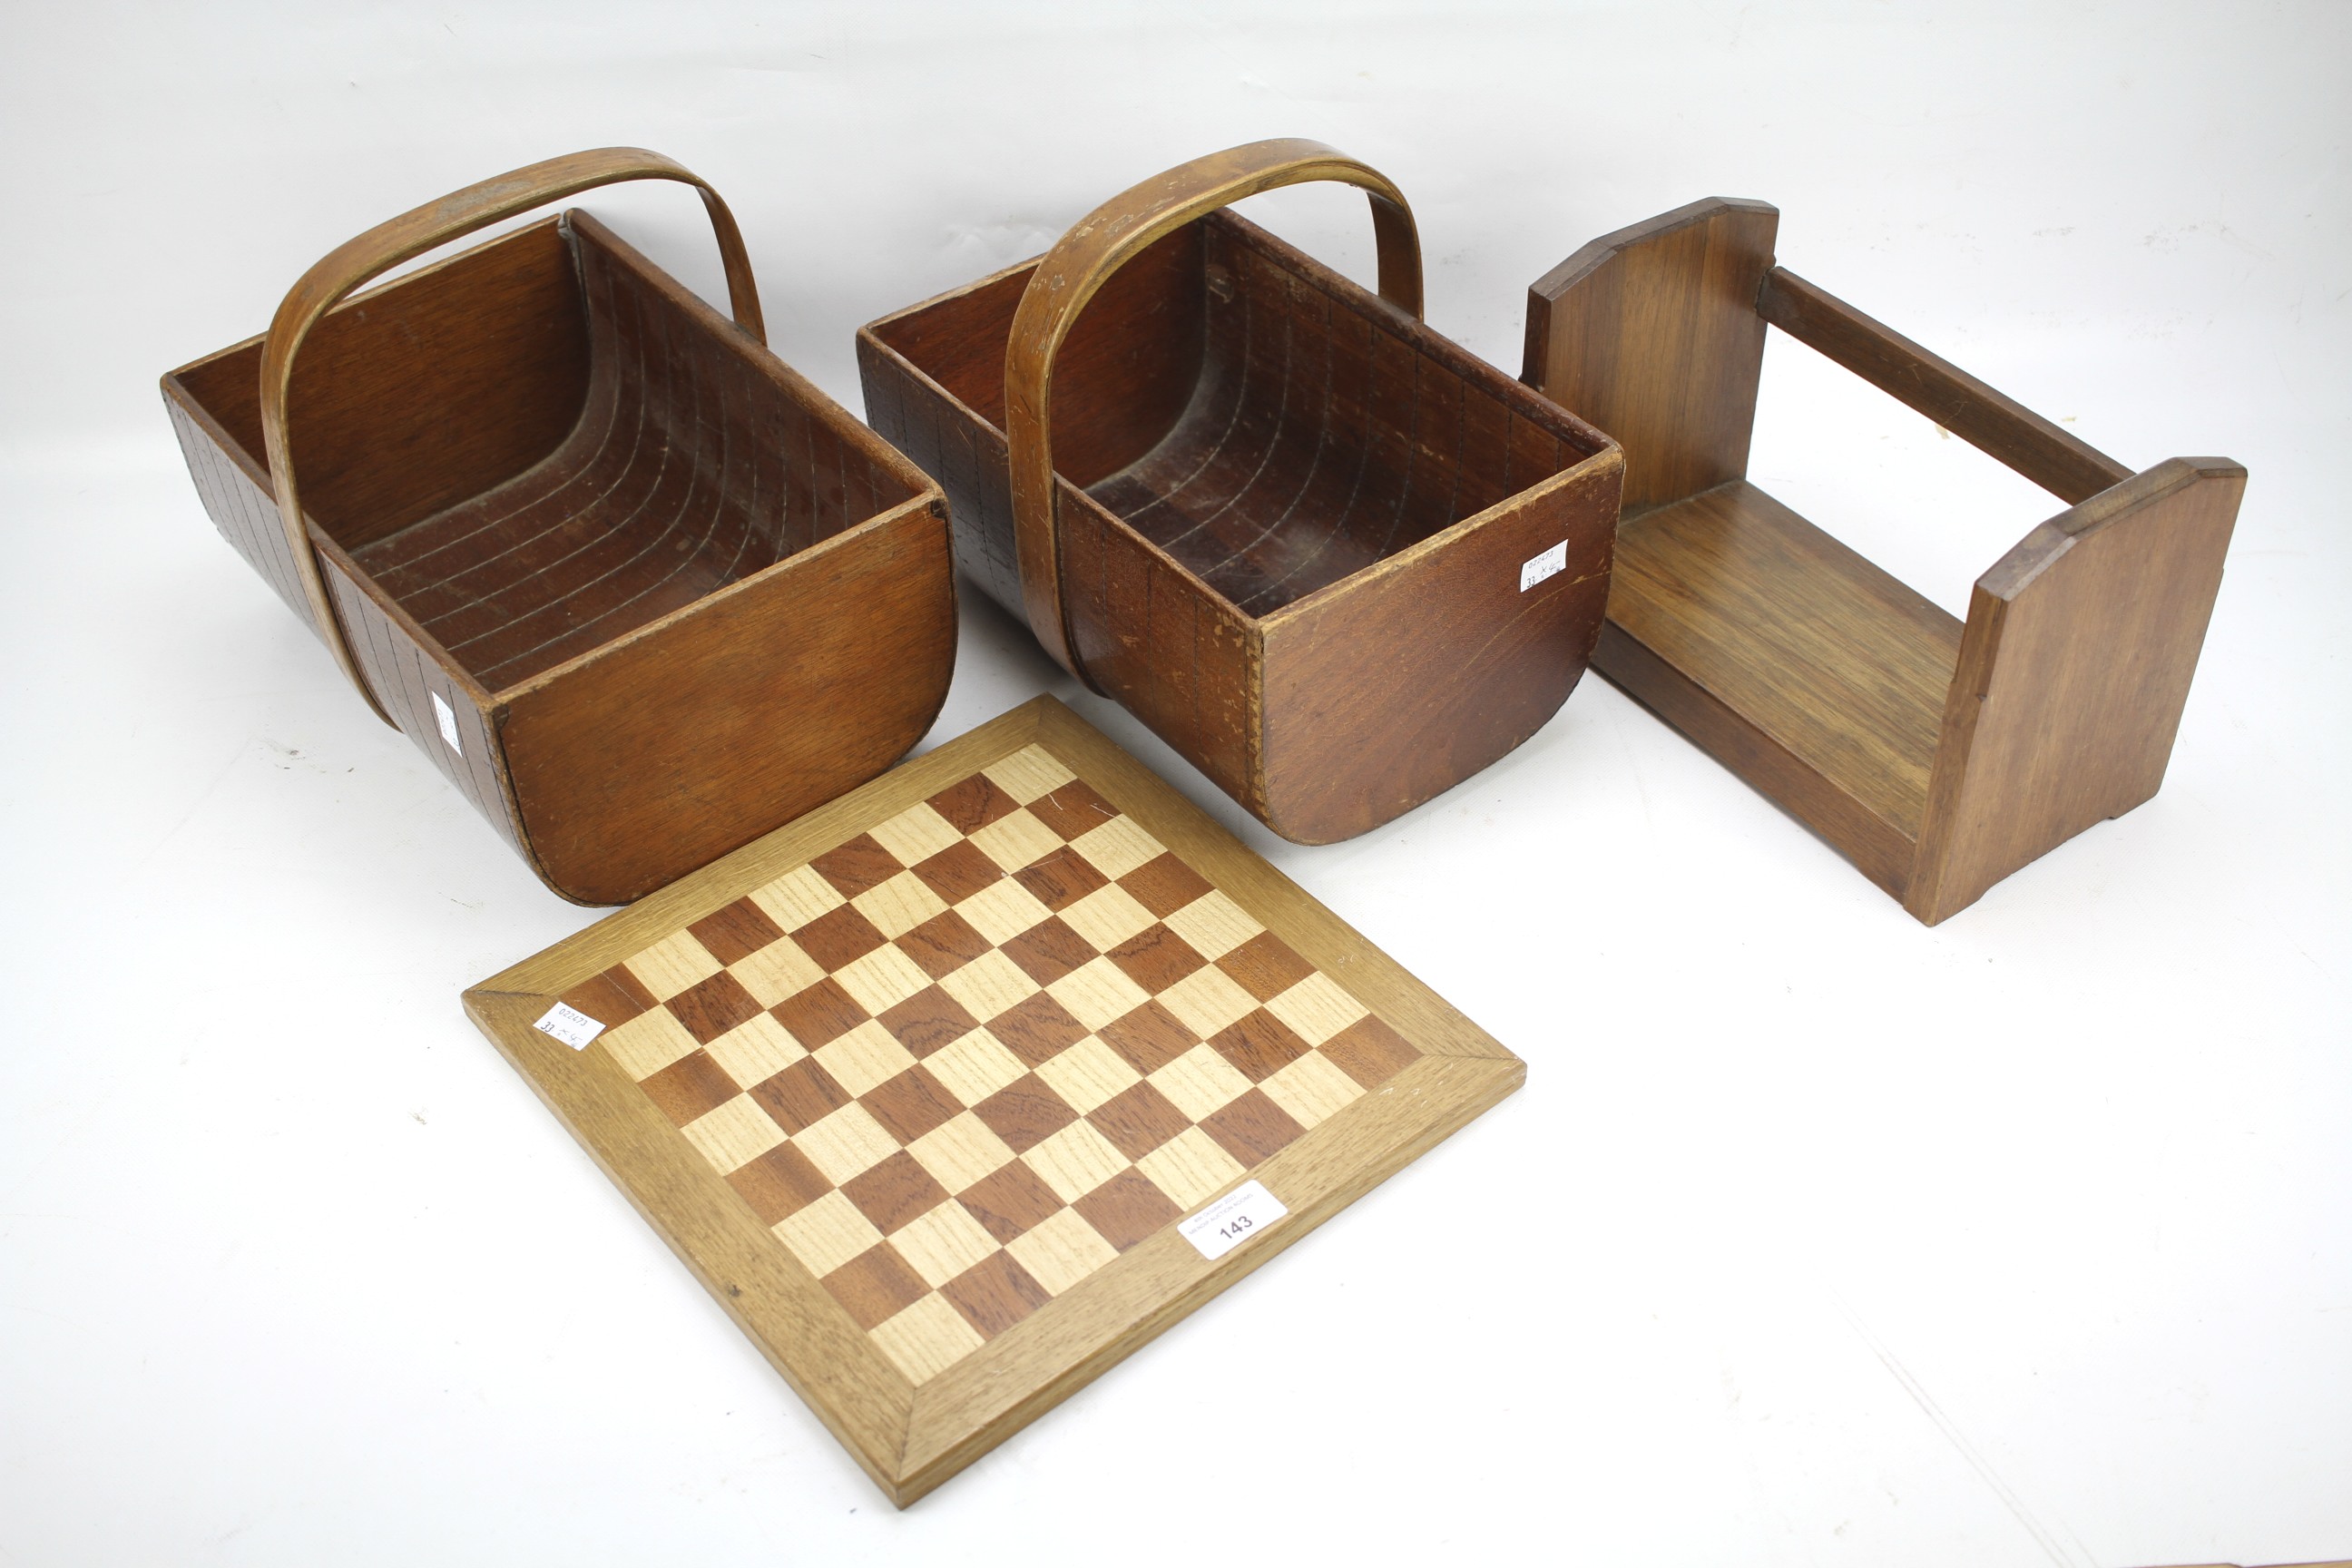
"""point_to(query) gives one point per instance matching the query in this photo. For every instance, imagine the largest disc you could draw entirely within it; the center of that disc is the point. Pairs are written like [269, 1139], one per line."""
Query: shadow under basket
[1939, 756]
[1334, 560]
[638, 589]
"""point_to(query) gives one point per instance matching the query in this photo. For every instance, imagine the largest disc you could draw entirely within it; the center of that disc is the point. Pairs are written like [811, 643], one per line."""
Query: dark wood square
[1370, 1051]
[713, 1008]
[943, 944]
[911, 1104]
[994, 1294]
[838, 938]
[737, 931]
[927, 1020]
[1253, 1128]
[1127, 1209]
[1049, 950]
[858, 866]
[1164, 885]
[1259, 1043]
[875, 1285]
[1024, 1113]
[1010, 1202]
[1037, 1030]
[1137, 1120]
[1150, 1037]
[973, 804]
[691, 1087]
[613, 997]
[779, 1184]
[958, 871]
[894, 1192]
[1060, 879]
[1265, 966]
[1072, 809]
[801, 1096]
[822, 1012]
[1155, 958]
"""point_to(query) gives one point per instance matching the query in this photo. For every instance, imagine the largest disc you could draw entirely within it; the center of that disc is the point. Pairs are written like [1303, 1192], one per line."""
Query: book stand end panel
[1938, 755]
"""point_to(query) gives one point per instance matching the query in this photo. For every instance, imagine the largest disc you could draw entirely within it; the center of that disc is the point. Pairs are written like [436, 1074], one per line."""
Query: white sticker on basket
[1232, 1220]
[570, 1025]
[1550, 564]
[447, 719]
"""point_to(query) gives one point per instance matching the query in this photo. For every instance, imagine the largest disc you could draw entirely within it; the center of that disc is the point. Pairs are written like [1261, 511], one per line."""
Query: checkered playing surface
[964, 1060]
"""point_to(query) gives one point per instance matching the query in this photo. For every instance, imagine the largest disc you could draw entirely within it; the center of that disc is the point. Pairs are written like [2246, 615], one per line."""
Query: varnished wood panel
[920, 1086]
[2081, 646]
[1652, 334]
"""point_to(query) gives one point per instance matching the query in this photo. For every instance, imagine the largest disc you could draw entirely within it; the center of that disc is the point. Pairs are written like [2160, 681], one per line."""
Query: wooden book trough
[1939, 756]
[1337, 562]
[638, 588]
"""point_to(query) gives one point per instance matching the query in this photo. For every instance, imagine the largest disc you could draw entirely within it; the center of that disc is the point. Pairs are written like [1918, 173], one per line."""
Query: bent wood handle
[412, 233]
[1085, 258]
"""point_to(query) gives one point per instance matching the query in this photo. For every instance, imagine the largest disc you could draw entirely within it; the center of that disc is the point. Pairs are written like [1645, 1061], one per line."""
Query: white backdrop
[1817, 1237]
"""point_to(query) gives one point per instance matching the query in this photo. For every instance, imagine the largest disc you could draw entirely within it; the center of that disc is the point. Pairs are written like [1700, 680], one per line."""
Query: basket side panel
[406, 679]
[966, 457]
[674, 747]
[1163, 645]
[246, 517]
[1418, 674]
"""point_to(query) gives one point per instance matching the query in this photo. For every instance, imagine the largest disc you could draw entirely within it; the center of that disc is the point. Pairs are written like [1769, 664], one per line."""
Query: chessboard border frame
[907, 1437]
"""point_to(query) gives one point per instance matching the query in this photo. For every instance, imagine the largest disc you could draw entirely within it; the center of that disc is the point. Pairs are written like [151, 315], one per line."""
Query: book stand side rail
[1939, 756]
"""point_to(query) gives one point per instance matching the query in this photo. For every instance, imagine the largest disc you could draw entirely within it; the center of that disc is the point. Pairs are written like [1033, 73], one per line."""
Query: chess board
[924, 1085]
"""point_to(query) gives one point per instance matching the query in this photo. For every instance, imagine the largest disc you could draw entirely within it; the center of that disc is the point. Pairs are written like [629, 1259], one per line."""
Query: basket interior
[545, 443]
[1265, 422]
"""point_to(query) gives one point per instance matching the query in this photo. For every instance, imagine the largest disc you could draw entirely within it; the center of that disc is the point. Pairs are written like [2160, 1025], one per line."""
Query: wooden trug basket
[641, 591]
[1337, 563]
[1939, 756]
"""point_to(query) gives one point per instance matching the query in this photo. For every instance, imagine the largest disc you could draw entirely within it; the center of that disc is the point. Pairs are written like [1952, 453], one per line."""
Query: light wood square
[827, 1234]
[975, 1067]
[1316, 1008]
[755, 1050]
[847, 1143]
[989, 984]
[1200, 1082]
[647, 1043]
[734, 1134]
[1097, 994]
[1208, 1000]
[797, 897]
[865, 1058]
[1062, 1251]
[1002, 910]
[1118, 847]
[882, 979]
[960, 1152]
[1107, 917]
[1190, 1168]
[1016, 840]
[676, 962]
[1312, 1089]
[1029, 772]
[1089, 1073]
[900, 904]
[1076, 1160]
[942, 1244]
[777, 971]
[1213, 924]
[927, 1338]
[916, 834]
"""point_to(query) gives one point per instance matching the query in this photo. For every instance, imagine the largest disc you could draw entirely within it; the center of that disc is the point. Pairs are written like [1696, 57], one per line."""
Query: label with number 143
[1232, 1220]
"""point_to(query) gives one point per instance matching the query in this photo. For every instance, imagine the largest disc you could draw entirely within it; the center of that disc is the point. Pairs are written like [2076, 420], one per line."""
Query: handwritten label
[1232, 1220]
[570, 1025]
[443, 716]
[1550, 564]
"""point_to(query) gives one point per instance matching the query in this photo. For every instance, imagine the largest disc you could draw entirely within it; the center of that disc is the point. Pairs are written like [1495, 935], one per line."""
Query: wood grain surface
[921, 1086]
[1938, 757]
